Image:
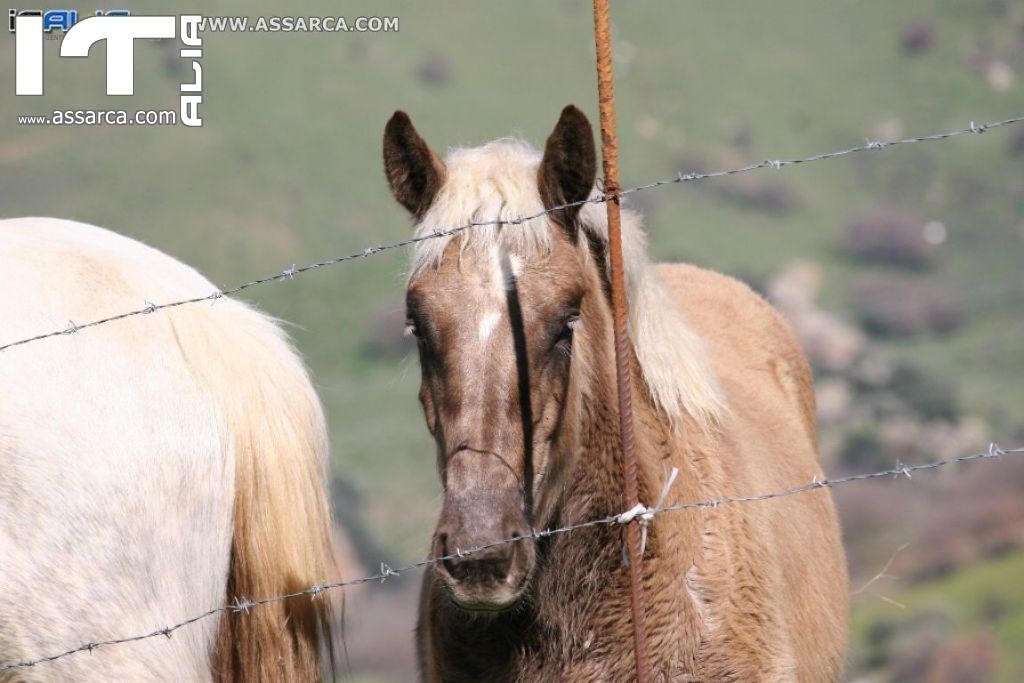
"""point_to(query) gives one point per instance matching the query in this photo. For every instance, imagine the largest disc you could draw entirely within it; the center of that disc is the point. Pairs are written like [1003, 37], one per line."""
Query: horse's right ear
[415, 173]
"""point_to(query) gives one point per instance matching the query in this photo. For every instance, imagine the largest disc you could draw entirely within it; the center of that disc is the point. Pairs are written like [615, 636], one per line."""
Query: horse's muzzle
[483, 568]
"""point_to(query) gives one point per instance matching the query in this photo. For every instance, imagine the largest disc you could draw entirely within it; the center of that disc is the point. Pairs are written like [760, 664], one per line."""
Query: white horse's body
[123, 452]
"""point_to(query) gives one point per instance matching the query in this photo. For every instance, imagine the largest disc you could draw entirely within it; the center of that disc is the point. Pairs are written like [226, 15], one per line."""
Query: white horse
[151, 469]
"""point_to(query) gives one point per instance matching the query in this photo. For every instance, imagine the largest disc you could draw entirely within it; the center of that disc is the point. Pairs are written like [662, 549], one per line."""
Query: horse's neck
[595, 487]
[583, 580]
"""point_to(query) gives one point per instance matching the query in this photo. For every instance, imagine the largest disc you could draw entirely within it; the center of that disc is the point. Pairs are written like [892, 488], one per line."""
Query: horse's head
[510, 324]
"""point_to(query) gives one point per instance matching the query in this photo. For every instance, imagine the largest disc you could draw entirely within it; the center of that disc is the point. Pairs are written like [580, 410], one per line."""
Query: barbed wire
[641, 514]
[293, 271]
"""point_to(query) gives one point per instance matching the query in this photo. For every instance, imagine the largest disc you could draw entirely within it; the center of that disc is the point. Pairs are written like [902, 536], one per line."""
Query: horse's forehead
[469, 292]
[486, 270]
[472, 275]
[466, 293]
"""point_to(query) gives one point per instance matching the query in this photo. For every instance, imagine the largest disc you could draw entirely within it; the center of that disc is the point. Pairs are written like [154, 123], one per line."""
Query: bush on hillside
[887, 235]
[930, 396]
[760, 194]
[890, 305]
[968, 658]
[433, 70]
[1016, 143]
[863, 450]
[917, 37]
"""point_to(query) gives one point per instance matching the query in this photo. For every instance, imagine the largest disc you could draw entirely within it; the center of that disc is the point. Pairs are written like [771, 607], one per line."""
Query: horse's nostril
[497, 568]
[479, 570]
[487, 564]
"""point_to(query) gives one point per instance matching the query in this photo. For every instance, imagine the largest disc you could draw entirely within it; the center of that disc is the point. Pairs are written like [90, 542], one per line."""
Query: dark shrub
[916, 643]
[878, 637]
[433, 70]
[887, 235]
[742, 138]
[862, 450]
[917, 37]
[757, 193]
[986, 522]
[692, 161]
[891, 305]
[1017, 142]
[930, 396]
[994, 608]
[970, 658]
[771, 196]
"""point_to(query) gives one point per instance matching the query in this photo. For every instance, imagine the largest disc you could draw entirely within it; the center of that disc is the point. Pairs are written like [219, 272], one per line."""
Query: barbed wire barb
[244, 605]
[883, 573]
[679, 178]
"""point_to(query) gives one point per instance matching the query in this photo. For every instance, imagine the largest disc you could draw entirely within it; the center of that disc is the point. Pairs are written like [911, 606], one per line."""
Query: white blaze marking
[517, 264]
[515, 269]
[488, 323]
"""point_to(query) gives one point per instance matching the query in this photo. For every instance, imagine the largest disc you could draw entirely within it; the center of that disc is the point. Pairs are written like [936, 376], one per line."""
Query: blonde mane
[498, 182]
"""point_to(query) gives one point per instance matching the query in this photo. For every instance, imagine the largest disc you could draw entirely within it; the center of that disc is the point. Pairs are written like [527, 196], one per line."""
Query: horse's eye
[411, 329]
[569, 326]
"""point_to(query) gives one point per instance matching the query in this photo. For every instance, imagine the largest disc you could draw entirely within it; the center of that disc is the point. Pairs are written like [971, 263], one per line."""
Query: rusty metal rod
[610, 161]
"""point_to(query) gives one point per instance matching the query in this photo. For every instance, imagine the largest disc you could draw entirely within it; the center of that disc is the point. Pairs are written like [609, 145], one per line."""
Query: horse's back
[768, 443]
[115, 485]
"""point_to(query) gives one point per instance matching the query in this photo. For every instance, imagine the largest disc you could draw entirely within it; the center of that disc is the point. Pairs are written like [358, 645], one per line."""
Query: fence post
[610, 161]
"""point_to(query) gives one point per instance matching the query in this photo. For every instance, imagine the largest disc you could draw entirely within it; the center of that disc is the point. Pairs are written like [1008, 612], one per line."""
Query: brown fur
[567, 172]
[414, 172]
[744, 592]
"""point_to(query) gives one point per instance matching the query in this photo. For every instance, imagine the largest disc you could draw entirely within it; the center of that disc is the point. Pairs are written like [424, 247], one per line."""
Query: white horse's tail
[281, 524]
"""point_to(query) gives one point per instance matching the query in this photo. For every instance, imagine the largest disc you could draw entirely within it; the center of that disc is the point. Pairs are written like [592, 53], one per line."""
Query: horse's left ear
[569, 166]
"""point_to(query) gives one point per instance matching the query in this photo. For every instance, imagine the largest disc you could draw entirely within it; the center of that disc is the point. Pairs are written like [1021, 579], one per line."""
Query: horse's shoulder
[743, 331]
[713, 300]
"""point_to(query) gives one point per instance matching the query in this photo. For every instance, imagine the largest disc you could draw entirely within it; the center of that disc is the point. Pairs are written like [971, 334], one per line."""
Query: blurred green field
[286, 170]
[985, 599]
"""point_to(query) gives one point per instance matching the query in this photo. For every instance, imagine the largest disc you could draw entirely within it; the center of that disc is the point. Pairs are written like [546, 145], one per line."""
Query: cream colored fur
[126, 450]
[498, 181]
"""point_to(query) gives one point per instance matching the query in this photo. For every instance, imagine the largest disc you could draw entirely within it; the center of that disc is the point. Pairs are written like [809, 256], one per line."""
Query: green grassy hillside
[975, 616]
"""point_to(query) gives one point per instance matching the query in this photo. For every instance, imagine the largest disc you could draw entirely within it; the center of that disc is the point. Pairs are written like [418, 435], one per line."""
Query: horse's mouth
[488, 601]
[480, 608]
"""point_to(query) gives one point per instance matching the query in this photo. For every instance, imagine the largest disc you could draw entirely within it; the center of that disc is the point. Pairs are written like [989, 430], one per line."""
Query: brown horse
[513, 324]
